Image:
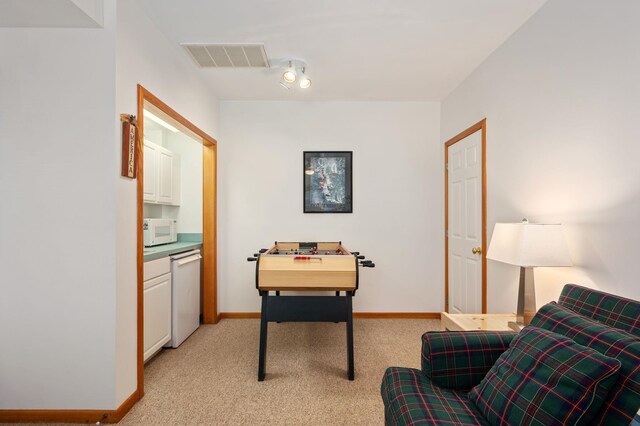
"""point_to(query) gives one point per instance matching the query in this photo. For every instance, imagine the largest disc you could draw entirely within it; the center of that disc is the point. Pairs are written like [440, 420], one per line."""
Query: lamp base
[515, 326]
[526, 297]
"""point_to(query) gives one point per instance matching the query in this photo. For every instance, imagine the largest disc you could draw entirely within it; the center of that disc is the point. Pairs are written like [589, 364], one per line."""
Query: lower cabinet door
[157, 314]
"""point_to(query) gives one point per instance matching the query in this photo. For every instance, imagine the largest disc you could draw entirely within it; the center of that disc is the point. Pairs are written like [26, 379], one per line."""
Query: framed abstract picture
[327, 182]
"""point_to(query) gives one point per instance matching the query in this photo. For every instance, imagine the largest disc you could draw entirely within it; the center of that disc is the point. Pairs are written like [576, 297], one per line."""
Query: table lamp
[528, 245]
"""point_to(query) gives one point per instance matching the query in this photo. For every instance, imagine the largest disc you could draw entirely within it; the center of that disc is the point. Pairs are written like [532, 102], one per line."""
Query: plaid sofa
[454, 362]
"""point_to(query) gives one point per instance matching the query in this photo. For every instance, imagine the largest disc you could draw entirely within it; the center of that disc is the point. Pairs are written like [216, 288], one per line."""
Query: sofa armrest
[460, 359]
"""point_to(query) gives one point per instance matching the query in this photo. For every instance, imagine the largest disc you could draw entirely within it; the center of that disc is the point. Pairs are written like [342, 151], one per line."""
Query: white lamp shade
[529, 244]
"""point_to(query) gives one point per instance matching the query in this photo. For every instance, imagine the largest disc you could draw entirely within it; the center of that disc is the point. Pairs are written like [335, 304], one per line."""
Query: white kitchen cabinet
[157, 305]
[161, 175]
[165, 177]
[150, 172]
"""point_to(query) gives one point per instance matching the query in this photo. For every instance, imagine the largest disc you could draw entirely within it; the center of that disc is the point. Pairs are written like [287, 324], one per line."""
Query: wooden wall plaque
[129, 138]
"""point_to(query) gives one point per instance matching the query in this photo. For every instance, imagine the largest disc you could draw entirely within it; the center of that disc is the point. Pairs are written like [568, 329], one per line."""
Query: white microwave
[159, 231]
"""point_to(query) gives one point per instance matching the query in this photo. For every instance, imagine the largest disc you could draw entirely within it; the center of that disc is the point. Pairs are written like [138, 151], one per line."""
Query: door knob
[476, 250]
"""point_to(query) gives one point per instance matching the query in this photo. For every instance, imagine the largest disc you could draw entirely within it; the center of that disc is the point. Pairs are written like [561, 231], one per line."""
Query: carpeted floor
[212, 378]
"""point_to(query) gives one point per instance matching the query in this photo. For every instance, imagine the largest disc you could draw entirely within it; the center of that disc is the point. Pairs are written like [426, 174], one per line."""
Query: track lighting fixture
[295, 71]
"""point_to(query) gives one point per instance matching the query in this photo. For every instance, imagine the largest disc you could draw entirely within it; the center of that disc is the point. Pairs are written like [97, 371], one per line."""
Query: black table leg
[306, 309]
[263, 337]
[351, 373]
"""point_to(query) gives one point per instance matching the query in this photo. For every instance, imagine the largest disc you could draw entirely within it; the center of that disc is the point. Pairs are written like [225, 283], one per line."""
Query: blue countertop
[153, 253]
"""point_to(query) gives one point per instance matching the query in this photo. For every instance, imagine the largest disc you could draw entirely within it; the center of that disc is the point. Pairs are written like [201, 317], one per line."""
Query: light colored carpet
[212, 377]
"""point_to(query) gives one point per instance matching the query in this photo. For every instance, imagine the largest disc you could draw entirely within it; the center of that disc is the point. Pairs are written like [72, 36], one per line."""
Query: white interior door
[465, 224]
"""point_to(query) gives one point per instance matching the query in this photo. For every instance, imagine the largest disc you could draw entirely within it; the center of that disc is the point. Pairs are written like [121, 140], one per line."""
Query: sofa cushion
[606, 308]
[545, 378]
[460, 359]
[624, 399]
[410, 399]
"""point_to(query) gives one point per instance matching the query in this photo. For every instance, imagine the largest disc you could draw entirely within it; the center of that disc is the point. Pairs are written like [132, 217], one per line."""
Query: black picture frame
[328, 181]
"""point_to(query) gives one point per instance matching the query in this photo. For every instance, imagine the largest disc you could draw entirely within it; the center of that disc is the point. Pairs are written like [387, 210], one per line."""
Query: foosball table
[304, 267]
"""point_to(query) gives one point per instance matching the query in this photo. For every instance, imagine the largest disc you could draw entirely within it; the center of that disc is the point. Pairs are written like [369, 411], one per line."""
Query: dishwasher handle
[189, 259]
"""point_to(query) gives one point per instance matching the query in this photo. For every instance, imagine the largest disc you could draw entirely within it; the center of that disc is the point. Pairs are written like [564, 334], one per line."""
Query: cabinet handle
[189, 260]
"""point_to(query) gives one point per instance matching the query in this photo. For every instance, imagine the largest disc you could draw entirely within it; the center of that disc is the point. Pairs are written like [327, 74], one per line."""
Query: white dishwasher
[185, 296]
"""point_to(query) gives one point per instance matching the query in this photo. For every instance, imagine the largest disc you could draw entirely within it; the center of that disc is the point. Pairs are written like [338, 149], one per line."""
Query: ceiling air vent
[229, 55]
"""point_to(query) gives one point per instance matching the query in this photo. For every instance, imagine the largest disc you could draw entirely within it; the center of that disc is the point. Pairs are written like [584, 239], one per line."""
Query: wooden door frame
[479, 126]
[209, 217]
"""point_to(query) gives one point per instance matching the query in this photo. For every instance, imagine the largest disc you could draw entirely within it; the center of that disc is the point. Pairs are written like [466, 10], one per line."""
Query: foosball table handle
[252, 259]
[359, 257]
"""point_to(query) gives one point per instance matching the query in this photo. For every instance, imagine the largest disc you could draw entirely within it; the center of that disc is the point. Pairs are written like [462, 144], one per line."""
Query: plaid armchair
[453, 363]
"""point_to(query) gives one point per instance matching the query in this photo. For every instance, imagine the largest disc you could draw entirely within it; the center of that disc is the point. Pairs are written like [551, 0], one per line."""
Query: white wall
[145, 56]
[562, 101]
[58, 245]
[68, 220]
[397, 218]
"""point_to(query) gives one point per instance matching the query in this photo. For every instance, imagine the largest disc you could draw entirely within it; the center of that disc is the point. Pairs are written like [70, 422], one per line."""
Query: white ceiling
[51, 13]
[385, 50]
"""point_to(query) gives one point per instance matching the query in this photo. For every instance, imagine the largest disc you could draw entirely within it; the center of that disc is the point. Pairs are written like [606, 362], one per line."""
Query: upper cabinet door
[165, 177]
[150, 172]
[161, 175]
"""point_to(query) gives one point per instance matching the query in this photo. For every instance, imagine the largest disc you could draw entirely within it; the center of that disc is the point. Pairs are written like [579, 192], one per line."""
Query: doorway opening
[149, 103]
[465, 203]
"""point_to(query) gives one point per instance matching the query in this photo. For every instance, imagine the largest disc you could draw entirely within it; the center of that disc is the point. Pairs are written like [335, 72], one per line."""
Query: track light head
[305, 82]
[289, 76]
